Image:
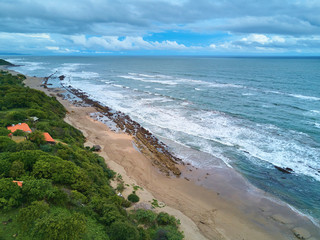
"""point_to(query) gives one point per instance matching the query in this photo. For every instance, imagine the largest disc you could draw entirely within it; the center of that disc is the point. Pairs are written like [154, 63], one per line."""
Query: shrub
[60, 224]
[6, 144]
[37, 137]
[17, 169]
[17, 115]
[165, 219]
[10, 194]
[19, 133]
[28, 215]
[133, 198]
[147, 217]
[4, 131]
[26, 145]
[123, 231]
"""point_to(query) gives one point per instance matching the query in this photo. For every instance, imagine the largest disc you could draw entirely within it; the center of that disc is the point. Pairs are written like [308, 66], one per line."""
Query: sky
[160, 27]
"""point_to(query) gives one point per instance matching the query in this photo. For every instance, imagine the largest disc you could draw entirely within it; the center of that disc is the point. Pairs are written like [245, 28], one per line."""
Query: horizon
[160, 28]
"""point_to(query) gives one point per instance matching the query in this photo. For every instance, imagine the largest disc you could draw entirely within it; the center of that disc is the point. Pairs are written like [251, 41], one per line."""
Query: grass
[10, 226]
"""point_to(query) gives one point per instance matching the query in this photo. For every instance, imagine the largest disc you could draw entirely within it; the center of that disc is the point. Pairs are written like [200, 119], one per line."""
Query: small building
[48, 138]
[18, 182]
[34, 119]
[21, 126]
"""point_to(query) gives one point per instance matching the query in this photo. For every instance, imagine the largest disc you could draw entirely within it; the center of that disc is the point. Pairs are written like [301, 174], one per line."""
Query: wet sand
[215, 204]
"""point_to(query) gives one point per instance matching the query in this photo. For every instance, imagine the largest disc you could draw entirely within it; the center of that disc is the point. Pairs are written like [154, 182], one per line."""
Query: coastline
[221, 205]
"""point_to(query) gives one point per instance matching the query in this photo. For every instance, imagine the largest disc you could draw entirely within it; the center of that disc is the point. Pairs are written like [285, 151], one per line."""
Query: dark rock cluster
[147, 143]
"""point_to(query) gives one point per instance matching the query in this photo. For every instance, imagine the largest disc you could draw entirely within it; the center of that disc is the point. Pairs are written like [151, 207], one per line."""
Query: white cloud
[262, 39]
[31, 35]
[53, 48]
[259, 38]
[115, 43]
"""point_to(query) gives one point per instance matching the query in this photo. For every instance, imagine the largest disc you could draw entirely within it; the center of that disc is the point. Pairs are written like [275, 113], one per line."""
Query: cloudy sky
[157, 27]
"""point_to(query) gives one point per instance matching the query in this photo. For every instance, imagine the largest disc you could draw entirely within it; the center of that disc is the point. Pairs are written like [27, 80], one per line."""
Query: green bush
[26, 145]
[165, 219]
[37, 137]
[17, 116]
[29, 214]
[10, 194]
[17, 169]
[133, 198]
[6, 144]
[60, 224]
[19, 133]
[4, 131]
[146, 217]
[123, 231]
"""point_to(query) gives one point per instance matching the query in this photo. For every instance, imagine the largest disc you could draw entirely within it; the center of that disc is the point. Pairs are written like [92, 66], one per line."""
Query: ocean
[250, 113]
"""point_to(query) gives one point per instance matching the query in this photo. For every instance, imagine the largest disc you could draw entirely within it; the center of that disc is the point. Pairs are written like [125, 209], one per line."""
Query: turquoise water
[252, 113]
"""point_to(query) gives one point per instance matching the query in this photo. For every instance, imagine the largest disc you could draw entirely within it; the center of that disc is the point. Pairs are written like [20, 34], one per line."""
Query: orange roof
[21, 126]
[18, 182]
[47, 137]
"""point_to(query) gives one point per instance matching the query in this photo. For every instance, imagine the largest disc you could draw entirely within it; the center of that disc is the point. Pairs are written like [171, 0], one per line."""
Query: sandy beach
[215, 204]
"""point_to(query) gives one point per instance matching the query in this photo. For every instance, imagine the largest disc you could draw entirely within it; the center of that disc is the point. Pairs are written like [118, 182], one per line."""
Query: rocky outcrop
[284, 170]
[147, 143]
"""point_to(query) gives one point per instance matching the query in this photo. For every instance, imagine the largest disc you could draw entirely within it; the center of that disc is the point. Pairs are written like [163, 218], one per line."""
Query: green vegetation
[65, 192]
[4, 62]
[133, 198]
[155, 204]
[158, 226]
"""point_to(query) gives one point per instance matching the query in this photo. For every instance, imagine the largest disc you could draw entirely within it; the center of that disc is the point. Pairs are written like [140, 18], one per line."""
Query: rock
[143, 205]
[96, 148]
[301, 233]
[284, 170]
[144, 140]
[62, 77]
[281, 219]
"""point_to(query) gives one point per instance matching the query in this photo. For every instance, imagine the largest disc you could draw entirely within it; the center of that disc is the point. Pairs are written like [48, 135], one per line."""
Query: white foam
[71, 70]
[310, 98]
[305, 97]
[165, 82]
[171, 80]
[210, 131]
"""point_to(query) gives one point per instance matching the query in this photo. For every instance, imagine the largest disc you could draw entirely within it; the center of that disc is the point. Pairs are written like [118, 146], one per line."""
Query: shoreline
[222, 205]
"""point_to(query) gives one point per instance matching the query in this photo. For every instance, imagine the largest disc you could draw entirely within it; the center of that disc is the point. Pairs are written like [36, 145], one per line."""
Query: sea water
[252, 113]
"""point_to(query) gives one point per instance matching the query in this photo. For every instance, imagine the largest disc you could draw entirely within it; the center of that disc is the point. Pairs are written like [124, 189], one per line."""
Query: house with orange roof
[48, 138]
[21, 126]
[18, 182]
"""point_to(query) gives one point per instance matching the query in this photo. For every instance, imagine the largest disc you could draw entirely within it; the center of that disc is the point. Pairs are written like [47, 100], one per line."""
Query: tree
[19, 132]
[17, 169]
[168, 233]
[60, 224]
[28, 215]
[123, 231]
[37, 137]
[37, 189]
[26, 145]
[133, 198]
[165, 219]
[10, 194]
[4, 131]
[6, 144]
[146, 217]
